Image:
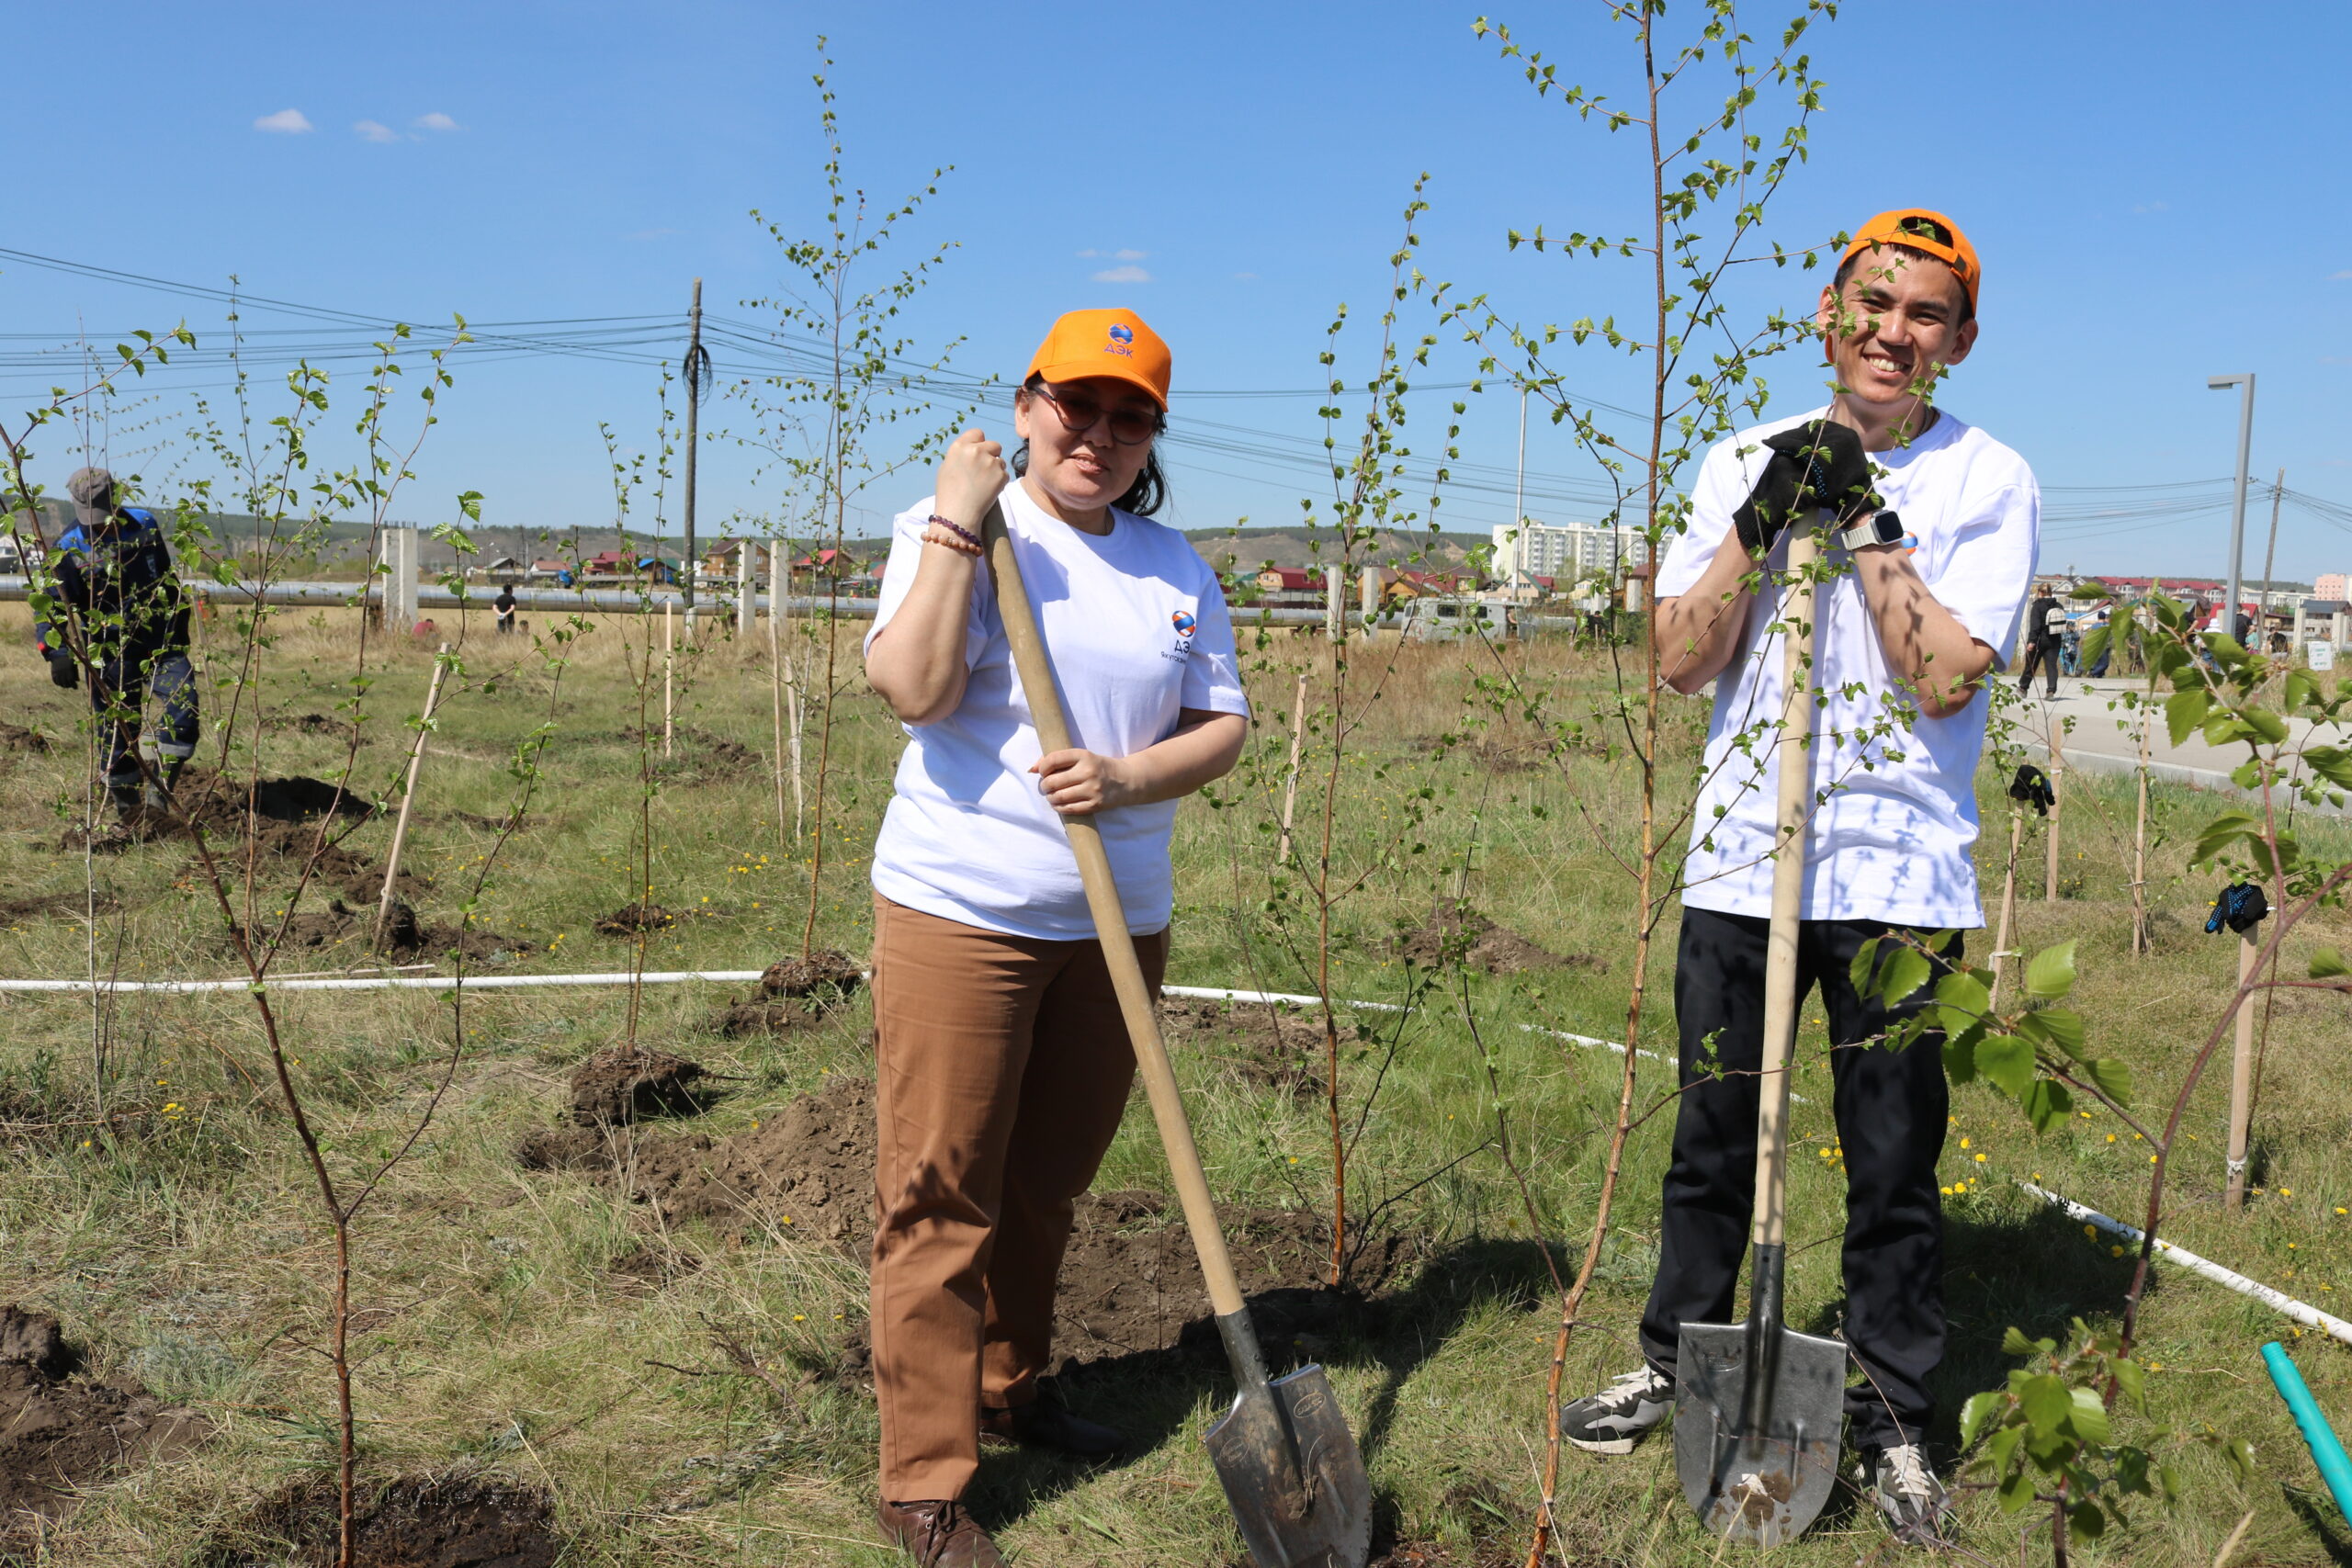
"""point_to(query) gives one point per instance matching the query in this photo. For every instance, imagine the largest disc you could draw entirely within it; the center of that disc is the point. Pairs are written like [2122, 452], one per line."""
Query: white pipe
[391, 982]
[2301, 1311]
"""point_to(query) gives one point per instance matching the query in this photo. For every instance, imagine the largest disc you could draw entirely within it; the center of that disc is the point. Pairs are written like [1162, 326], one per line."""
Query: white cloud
[1128, 273]
[1245, 277]
[2147, 207]
[2344, 276]
[435, 121]
[1129, 256]
[374, 130]
[285, 123]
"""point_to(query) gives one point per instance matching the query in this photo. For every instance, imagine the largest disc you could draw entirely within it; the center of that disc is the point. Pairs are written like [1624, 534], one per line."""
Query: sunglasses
[1130, 426]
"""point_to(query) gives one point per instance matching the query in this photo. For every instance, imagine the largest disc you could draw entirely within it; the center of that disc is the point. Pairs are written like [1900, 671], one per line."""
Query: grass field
[532, 1326]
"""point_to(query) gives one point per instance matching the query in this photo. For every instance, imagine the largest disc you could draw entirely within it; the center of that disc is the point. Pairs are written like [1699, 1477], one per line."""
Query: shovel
[1291, 1468]
[1757, 1406]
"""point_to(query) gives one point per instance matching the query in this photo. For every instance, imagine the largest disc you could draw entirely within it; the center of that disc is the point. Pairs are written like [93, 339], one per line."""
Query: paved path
[2097, 744]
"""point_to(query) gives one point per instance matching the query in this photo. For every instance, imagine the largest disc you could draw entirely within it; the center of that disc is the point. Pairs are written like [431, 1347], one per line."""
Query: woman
[1001, 1060]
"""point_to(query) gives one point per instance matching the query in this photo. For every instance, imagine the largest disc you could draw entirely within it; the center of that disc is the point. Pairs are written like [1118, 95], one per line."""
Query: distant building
[1565, 550]
[2332, 585]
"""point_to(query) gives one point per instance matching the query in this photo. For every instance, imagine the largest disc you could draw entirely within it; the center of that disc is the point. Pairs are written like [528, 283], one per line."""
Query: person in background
[1002, 1061]
[2103, 620]
[116, 608]
[505, 606]
[2045, 634]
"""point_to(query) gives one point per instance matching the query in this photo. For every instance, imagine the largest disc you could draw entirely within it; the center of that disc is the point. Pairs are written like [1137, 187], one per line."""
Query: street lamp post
[2237, 506]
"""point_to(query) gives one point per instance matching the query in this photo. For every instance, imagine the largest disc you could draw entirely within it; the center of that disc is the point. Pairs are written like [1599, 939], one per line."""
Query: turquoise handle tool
[2326, 1453]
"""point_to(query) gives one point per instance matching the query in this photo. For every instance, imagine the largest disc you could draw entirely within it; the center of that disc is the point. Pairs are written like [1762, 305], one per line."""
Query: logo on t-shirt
[1183, 622]
[1122, 340]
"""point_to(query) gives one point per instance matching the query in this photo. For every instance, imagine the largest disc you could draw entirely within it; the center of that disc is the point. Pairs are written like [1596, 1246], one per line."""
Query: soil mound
[695, 749]
[413, 1522]
[1130, 1281]
[318, 723]
[1456, 931]
[60, 1433]
[826, 970]
[340, 927]
[622, 1083]
[1266, 1045]
[16, 738]
[631, 919]
[749, 1021]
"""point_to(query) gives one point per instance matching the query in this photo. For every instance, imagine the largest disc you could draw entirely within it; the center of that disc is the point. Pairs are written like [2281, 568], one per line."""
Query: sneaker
[1899, 1482]
[1620, 1416]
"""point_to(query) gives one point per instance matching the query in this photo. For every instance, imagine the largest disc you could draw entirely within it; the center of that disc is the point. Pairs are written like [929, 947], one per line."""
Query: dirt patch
[1456, 931]
[631, 919]
[492, 824]
[366, 886]
[60, 1433]
[828, 970]
[1266, 1045]
[462, 1521]
[623, 1083]
[69, 905]
[339, 926]
[318, 724]
[696, 750]
[16, 738]
[761, 1016]
[1130, 1281]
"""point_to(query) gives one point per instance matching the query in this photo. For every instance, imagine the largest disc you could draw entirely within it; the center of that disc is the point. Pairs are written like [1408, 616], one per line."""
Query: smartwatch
[1879, 528]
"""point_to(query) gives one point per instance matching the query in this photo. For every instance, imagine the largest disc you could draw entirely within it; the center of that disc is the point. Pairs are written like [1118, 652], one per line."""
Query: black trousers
[2042, 654]
[1892, 1107]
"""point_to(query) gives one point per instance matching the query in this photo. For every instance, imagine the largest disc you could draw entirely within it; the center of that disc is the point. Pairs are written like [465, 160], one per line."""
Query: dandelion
[2286, 1192]
[2091, 1231]
[1963, 1142]
[2110, 1137]
[1980, 1159]
[800, 1317]
[1945, 1190]
[2115, 1252]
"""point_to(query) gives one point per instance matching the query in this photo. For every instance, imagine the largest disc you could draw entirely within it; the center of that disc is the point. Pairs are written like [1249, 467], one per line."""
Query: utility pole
[2269, 556]
[697, 369]
[2229, 625]
[1518, 499]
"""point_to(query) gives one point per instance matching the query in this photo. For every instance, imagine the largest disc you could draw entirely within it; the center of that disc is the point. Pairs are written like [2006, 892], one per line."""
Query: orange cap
[1103, 343]
[1920, 230]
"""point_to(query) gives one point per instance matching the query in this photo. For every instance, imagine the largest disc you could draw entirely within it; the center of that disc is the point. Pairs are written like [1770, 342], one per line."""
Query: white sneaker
[1620, 1416]
[1905, 1489]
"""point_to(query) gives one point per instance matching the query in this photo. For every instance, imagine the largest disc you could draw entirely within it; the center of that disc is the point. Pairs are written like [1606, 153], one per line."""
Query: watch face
[1887, 528]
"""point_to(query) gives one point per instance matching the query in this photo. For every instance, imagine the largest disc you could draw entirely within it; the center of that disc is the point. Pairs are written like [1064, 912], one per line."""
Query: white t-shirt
[1893, 840]
[1136, 626]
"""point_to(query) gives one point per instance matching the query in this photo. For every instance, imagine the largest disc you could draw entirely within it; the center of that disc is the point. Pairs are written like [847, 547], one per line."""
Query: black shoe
[1629, 1409]
[1046, 1424]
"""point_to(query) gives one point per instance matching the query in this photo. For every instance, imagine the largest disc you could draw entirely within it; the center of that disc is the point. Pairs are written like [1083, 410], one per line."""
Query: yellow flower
[2115, 1252]
[2110, 1137]
[1980, 1159]
[1963, 1142]
[800, 1317]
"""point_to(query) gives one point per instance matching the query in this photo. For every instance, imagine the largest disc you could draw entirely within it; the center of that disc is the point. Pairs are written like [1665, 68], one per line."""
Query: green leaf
[2113, 1076]
[2221, 832]
[2050, 974]
[2047, 1104]
[2095, 643]
[2333, 763]
[2240, 1454]
[2008, 1061]
[2089, 1417]
[2086, 1521]
[2185, 711]
[2130, 1380]
[2301, 689]
[2327, 963]
[1905, 973]
[1960, 1001]
[2016, 1486]
[1864, 971]
[2015, 1343]
[1979, 1409]
[1959, 1053]
[2061, 1027]
[2265, 724]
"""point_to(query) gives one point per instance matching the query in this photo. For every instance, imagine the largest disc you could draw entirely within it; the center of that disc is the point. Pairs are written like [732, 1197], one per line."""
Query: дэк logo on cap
[1183, 622]
[1122, 340]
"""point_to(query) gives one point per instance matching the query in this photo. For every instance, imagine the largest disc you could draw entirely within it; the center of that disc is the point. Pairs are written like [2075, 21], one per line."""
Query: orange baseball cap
[1920, 230]
[1104, 342]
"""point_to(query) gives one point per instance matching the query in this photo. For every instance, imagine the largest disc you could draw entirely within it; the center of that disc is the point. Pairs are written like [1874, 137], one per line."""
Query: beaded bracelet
[962, 533]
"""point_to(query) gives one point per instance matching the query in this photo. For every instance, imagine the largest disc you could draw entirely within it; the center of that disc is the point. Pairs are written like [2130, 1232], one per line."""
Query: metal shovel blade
[1768, 1487]
[1294, 1476]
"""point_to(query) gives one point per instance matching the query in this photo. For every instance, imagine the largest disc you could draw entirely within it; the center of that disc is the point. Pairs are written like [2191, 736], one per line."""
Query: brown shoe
[1046, 1424]
[938, 1535]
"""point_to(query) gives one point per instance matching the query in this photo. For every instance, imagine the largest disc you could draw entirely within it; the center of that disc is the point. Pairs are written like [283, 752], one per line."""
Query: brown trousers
[1002, 1066]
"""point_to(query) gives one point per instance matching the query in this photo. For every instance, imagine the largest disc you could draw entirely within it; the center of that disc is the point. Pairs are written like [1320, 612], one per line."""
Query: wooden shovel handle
[1796, 753]
[1029, 661]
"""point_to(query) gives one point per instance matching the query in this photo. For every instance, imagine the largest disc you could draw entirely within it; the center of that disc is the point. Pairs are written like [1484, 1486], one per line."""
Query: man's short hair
[1846, 271]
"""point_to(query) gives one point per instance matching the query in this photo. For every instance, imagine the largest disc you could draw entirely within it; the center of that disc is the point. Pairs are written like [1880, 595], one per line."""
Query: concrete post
[745, 607]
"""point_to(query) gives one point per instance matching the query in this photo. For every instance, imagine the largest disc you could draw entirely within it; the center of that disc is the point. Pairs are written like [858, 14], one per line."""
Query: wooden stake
[408, 795]
[2008, 901]
[2241, 1077]
[2057, 788]
[669, 679]
[2139, 843]
[1290, 787]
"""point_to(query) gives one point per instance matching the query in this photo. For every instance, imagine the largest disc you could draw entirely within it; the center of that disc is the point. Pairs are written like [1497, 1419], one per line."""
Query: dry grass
[513, 1320]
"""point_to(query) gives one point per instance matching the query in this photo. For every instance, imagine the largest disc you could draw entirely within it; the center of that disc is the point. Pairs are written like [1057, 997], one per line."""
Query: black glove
[2241, 907]
[2032, 787]
[62, 671]
[1815, 465]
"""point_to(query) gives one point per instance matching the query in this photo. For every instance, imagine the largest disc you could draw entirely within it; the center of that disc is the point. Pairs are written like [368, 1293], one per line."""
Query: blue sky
[2159, 192]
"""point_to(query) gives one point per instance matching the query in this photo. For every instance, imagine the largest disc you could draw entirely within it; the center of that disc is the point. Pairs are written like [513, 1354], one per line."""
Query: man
[2045, 636]
[115, 605]
[505, 606]
[1933, 553]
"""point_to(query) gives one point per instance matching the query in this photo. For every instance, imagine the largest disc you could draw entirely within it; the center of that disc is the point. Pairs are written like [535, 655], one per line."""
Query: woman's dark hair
[1145, 496]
